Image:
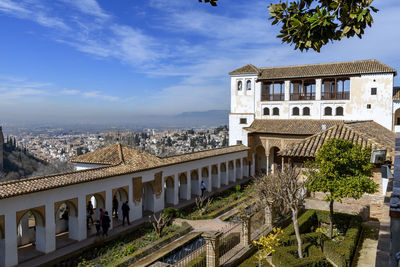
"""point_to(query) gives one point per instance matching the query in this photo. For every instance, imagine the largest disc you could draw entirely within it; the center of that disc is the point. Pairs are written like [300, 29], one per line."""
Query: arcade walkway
[67, 246]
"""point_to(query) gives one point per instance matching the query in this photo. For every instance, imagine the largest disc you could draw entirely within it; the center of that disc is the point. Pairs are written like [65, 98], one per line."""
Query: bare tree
[287, 188]
[203, 204]
[159, 223]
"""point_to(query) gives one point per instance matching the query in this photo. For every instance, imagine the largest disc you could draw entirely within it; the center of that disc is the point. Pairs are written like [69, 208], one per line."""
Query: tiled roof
[131, 161]
[318, 70]
[365, 133]
[205, 154]
[110, 155]
[396, 93]
[293, 126]
[248, 69]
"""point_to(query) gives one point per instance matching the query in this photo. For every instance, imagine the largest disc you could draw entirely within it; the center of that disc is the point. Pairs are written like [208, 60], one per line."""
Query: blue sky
[108, 61]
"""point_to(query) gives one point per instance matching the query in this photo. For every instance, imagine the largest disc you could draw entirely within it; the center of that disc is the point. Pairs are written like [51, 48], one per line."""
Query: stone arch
[231, 171]
[295, 111]
[327, 111]
[306, 111]
[396, 119]
[275, 158]
[121, 194]
[224, 176]
[98, 202]
[183, 186]
[214, 176]
[148, 197]
[339, 111]
[169, 187]
[195, 183]
[261, 160]
[66, 217]
[238, 174]
[248, 85]
[31, 228]
[239, 85]
[205, 177]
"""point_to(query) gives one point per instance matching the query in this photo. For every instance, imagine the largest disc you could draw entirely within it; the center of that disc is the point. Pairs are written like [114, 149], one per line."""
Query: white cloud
[90, 7]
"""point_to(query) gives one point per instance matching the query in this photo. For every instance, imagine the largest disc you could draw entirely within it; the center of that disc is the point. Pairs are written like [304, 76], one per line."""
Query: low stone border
[143, 252]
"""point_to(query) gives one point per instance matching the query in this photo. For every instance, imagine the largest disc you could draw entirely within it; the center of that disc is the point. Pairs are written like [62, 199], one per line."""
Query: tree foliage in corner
[310, 24]
[341, 169]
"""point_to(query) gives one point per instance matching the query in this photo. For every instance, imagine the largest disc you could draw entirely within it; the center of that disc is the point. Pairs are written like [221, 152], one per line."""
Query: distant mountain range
[200, 118]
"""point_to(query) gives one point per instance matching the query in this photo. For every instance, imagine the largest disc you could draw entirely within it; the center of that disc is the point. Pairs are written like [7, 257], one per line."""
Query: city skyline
[88, 61]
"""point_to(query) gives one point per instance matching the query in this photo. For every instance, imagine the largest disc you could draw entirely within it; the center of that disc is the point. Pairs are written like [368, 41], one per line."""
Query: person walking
[101, 213]
[125, 213]
[105, 223]
[115, 207]
[203, 187]
[89, 213]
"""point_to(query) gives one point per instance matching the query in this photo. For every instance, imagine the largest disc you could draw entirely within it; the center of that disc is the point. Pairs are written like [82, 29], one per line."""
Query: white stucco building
[346, 91]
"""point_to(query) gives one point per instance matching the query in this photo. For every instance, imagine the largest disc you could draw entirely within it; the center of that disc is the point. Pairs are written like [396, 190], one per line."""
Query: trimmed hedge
[339, 252]
[288, 257]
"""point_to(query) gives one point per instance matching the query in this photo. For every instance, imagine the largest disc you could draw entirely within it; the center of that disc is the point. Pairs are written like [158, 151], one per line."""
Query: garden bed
[221, 203]
[317, 247]
[134, 244]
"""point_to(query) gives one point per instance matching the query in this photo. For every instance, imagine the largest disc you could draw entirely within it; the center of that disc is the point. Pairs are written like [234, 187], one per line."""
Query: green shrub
[288, 257]
[341, 253]
[171, 212]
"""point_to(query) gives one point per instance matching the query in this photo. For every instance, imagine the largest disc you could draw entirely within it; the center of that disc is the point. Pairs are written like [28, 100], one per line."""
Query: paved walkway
[206, 225]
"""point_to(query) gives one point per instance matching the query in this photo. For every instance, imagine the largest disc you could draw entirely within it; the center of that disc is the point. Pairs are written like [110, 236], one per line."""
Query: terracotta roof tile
[248, 69]
[290, 126]
[358, 67]
[364, 133]
[130, 161]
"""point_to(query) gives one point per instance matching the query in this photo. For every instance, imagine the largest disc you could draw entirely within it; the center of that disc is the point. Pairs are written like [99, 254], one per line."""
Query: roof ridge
[190, 153]
[319, 64]
[121, 154]
[55, 175]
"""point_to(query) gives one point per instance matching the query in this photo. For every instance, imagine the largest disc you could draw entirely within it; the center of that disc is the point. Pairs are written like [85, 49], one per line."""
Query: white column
[176, 189]
[131, 203]
[50, 229]
[108, 205]
[209, 182]
[287, 90]
[11, 249]
[318, 89]
[81, 231]
[136, 210]
[267, 169]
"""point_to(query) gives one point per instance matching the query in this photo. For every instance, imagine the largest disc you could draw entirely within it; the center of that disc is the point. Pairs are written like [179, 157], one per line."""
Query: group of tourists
[103, 223]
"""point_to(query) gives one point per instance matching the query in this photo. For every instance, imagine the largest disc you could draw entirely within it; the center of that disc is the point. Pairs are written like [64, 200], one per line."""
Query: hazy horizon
[100, 62]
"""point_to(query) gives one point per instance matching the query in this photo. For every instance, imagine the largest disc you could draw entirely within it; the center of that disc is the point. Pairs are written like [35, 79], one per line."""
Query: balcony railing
[272, 97]
[302, 96]
[335, 95]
